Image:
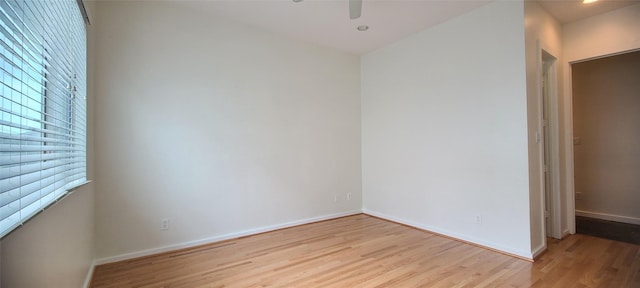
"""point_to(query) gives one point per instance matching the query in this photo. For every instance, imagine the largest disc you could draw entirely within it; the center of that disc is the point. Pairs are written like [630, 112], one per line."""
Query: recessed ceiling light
[363, 28]
[588, 1]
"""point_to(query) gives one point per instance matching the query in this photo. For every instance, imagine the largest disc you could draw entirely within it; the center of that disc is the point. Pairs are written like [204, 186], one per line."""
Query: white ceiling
[571, 10]
[326, 22]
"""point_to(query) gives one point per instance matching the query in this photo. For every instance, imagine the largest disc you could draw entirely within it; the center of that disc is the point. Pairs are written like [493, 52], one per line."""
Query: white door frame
[570, 205]
[553, 124]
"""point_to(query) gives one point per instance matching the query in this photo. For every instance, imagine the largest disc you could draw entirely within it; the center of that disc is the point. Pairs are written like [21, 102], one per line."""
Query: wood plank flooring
[363, 251]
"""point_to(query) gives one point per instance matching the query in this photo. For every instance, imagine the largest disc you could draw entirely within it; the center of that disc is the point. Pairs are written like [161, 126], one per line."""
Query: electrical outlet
[478, 219]
[577, 141]
[335, 197]
[578, 195]
[164, 224]
[348, 196]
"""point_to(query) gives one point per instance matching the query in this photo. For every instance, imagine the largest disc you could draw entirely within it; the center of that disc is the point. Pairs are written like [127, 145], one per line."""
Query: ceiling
[326, 22]
[567, 11]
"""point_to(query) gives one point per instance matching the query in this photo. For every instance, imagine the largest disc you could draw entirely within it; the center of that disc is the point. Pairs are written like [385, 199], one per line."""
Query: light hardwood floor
[363, 251]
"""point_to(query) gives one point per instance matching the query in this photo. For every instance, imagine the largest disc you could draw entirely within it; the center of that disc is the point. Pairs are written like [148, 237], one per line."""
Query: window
[42, 106]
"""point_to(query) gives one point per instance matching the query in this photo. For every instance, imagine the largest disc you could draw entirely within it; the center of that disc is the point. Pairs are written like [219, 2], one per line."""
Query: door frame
[553, 123]
[570, 206]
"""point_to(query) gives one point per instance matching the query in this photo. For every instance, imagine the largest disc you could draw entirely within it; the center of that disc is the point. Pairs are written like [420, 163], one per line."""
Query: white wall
[56, 248]
[607, 34]
[220, 127]
[542, 32]
[444, 129]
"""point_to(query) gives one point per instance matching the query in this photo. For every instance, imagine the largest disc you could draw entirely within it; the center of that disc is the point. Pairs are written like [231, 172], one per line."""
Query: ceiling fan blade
[355, 9]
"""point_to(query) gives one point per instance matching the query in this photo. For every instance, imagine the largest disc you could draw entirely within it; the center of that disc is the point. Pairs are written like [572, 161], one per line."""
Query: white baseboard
[464, 238]
[218, 238]
[539, 250]
[87, 280]
[609, 217]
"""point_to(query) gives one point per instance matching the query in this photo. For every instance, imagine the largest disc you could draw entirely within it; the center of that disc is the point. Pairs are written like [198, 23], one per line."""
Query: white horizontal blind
[42, 106]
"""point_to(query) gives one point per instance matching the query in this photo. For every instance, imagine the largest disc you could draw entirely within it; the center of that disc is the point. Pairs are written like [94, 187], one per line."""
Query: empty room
[305, 143]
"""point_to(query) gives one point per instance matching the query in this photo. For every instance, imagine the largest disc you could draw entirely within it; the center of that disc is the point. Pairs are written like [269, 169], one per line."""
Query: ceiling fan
[355, 9]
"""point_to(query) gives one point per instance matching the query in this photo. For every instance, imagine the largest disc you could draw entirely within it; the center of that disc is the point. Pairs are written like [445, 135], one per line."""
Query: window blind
[42, 106]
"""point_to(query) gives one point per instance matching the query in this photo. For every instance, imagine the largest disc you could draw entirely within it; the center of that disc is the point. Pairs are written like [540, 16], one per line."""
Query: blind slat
[29, 158]
[18, 182]
[21, 127]
[34, 148]
[28, 168]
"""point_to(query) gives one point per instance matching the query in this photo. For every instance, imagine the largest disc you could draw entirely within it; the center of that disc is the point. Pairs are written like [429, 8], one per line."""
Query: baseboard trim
[524, 255]
[539, 250]
[87, 280]
[218, 238]
[609, 217]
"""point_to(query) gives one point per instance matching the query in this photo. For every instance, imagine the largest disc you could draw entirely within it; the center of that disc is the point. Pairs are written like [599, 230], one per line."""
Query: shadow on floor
[608, 229]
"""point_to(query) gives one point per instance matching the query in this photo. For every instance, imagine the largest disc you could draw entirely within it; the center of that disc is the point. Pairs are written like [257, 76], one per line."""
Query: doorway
[606, 113]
